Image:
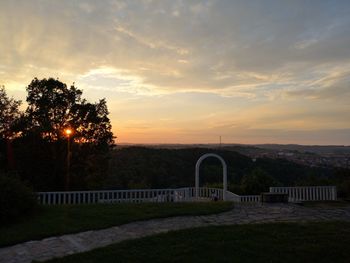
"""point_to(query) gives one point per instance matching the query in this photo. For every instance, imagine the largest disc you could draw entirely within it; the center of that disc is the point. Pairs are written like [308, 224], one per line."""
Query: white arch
[224, 173]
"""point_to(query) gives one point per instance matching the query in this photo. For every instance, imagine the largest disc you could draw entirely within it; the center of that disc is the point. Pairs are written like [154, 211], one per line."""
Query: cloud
[243, 55]
[333, 84]
[221, 41]
[114, 80]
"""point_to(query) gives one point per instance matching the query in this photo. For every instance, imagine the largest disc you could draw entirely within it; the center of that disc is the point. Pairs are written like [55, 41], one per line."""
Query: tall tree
[52, 107]
[49, 159]
[9, 114]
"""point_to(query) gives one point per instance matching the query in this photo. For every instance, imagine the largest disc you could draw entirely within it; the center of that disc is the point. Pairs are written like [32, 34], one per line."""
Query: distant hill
[319, 149]
[156, 167]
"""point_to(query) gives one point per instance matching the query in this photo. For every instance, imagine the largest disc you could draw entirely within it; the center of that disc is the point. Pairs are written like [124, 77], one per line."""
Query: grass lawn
[58, 220]
[307, 242]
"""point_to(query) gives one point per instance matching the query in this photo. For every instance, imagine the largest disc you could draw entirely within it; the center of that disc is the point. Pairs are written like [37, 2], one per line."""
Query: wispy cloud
[241, 54]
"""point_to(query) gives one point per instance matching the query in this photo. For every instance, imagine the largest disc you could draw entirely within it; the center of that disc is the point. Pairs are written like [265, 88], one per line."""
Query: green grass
[308, 242]
[58, 220]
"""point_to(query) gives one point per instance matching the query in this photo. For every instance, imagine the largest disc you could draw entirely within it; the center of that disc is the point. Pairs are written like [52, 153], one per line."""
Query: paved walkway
[69, 244]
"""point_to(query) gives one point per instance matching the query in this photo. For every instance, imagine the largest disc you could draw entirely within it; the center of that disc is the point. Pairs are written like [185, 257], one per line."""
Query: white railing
[308, 193]
[206, 193]
[250, 198]
[130, 196]
[111, 196]
[242, 198]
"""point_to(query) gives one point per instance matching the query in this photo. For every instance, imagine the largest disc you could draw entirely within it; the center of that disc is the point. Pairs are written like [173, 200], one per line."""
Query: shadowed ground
[244, 214]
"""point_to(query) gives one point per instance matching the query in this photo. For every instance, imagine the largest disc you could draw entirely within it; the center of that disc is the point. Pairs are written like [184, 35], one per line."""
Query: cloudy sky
[182, 71]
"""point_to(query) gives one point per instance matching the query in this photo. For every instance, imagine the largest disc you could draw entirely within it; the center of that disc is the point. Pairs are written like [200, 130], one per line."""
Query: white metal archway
[224, 173]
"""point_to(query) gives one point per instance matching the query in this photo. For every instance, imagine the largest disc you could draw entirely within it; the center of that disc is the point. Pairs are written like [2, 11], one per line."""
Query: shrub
[256, 182]
[344, 189]
[16, 199]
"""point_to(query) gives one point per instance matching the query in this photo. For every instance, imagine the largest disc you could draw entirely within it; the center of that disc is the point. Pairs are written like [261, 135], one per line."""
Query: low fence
[243, 198]
[204, 193]
[127, 196]
[188, 194]
[295, 194]
[308, 193]
[250, 198]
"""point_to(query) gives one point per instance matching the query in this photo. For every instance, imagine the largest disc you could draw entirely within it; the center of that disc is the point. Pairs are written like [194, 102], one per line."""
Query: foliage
[43, 164]
[39, 151]
[9, 118]
[342, 181]
[89, 167]
[52, 107]
[167, 168]
[257, 182]
[9, 114]
[59, 220]
[16, 199]
[140, 167]
[40, 162]
[3, 155]
[288, 173]
[292, 242]
[312, 179]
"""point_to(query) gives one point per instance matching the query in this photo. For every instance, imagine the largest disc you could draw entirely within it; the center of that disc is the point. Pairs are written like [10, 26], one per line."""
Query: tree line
[144, 167]
[33, 142]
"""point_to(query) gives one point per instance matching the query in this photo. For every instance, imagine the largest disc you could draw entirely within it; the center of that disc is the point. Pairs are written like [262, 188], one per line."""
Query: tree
[257, 181]
[52, 107]
[9, 114]
[45, 156]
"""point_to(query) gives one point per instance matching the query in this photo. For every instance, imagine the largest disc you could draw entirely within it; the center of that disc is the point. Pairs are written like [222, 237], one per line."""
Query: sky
[183, 71]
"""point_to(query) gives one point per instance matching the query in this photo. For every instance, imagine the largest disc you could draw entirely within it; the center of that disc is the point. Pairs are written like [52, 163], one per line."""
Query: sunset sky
[191, 71]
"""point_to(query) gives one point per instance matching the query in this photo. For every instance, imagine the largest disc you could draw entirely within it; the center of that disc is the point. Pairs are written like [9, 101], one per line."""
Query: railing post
[334, 192]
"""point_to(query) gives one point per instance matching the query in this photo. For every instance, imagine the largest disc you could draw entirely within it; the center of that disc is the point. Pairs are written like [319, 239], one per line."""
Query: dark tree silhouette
[44, 156]
[9, 114]
[52, 107]
[257, 181]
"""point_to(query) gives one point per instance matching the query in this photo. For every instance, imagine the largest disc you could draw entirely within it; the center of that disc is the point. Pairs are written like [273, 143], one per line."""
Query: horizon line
[234, 144]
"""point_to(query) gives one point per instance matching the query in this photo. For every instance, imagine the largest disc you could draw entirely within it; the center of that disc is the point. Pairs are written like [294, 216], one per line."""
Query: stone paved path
[73, 243]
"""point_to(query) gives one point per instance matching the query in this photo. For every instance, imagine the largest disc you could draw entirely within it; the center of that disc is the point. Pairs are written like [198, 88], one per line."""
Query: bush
[342, 181]
[343, 189]
[16, 199]
[256, 182]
